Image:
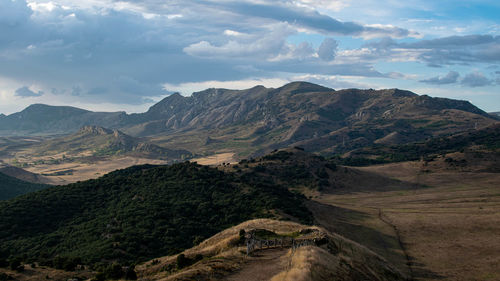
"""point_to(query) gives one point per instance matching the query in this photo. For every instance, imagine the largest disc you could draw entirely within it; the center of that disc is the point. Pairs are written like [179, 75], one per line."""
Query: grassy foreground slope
[11, 187]
[137, 213]
[223, 257]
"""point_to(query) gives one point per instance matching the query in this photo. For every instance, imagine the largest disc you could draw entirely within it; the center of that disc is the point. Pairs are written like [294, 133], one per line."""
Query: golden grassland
[70, 172]
[216, 159]
[225, 259]
[45, 273]
[448, 229]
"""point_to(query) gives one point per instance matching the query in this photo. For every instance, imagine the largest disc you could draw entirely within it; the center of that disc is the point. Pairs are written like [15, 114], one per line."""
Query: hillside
[11, 187]
[138, 213]
[99, 141]
[22, 174]
[258, 120]
[223, 257]
[40, 119]
[310, 174]
[483, 143]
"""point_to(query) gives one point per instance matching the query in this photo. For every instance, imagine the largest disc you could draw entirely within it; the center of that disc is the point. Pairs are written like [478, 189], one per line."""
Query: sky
[107, 55]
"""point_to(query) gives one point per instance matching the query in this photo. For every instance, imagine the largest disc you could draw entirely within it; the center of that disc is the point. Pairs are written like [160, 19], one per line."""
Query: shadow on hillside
[348, 223]
[351, 180]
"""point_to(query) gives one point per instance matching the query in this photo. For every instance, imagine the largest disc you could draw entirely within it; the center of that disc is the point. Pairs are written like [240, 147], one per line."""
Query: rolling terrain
[480, 143]
[23, 175]
[413, 215]
[99, 141]
[408, 182]
[138, 213]
[11, 187]
[447, 231]
[89, 153]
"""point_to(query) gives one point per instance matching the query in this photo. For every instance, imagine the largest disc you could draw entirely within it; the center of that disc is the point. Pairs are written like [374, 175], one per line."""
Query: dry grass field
[216, 159]
[65, 173]
[448, 229]
[225, 259]
[44, 273]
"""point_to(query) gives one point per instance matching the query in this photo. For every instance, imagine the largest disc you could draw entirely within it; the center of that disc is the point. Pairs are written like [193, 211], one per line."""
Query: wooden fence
[259, 244]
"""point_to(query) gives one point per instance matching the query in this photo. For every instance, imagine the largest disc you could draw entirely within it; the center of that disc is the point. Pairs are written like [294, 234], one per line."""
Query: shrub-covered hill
[485, 139]
[137, 213]
[11, 187]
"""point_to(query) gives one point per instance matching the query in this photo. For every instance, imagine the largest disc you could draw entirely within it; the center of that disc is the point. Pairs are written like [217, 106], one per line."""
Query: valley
[393, 186]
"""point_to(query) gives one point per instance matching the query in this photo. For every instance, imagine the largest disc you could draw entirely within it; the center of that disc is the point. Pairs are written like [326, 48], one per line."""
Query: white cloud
[265, 44]
[188, 88]
[229, 32]
[333, 5]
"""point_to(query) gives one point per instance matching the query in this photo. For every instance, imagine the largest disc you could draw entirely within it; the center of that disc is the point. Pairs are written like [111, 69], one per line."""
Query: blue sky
[109, 55]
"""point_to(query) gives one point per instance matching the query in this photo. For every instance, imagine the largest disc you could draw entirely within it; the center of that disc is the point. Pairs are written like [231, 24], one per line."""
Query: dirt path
[262, 266]
[386, 220]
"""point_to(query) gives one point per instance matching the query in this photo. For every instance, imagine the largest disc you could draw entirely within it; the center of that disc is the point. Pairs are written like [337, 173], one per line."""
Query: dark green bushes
[136, 214]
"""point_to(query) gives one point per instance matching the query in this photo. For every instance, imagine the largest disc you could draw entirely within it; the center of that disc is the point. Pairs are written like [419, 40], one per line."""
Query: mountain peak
[95, 130]
[37, 107]
[302, 86]
[401, 93]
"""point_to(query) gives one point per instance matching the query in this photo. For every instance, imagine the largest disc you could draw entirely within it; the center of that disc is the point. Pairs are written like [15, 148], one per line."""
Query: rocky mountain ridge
[299, 113]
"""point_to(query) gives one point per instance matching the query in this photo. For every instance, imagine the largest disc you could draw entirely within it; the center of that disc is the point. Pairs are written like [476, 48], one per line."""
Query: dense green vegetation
[11, 187]
[136, 214]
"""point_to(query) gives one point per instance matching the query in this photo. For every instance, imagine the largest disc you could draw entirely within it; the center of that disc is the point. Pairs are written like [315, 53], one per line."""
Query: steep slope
[316, 118]
[138, 213]
[11, 187]
[328, 256]
[22, 174]
[44, 120]
[96, 140]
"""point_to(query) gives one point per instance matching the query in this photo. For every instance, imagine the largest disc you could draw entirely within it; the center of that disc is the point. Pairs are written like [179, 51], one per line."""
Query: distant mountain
[316, 118]
[258, 120]
[40, 119]
[99, 141]
[496, 114]
[11, 187]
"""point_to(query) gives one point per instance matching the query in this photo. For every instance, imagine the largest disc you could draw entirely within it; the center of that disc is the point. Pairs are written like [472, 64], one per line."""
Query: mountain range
[259, 119]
